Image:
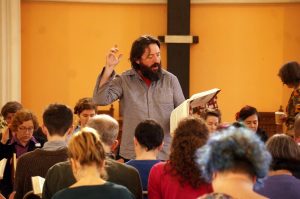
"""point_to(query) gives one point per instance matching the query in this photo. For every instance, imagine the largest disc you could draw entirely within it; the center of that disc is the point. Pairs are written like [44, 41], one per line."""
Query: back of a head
[86, 148]
[190, 134]
[138, 48]
[236, 150]
[290, 73]
[106, 126]
[149, 134]
[58, 118]
[10, 107]
[285, 152]
[245, 112]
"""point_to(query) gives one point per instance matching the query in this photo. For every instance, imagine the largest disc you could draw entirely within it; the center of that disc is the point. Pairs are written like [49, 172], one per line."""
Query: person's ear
[161, 146]
[114, 145]
[135, 141]
[70, 131]
[45, 130]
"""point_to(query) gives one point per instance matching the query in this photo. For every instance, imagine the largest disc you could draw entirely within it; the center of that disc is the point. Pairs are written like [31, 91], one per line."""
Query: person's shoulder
[128, 72]
[159, 165]
[61, 166]
[61, 194]
[110, 163]
[119, 189]
[30, 155]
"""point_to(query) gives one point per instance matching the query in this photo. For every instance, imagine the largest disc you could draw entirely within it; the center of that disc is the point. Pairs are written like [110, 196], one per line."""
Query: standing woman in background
[289, 74]
[249, 116]
[87, 158]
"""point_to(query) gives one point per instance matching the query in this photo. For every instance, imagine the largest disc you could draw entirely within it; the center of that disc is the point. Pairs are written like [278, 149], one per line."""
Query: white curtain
[10, 55]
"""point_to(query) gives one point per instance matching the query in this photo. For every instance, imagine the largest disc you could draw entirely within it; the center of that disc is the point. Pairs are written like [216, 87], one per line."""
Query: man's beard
[149, 73]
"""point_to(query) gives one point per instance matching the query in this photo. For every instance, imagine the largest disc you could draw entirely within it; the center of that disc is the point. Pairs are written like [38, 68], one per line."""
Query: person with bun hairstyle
[87, 157]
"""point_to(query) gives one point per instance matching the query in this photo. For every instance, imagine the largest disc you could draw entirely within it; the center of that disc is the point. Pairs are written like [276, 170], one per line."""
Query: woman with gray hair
[233, 160]
[286, 161]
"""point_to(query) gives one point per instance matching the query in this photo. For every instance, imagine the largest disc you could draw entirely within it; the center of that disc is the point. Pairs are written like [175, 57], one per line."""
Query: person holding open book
[22, 125]
[145, 91]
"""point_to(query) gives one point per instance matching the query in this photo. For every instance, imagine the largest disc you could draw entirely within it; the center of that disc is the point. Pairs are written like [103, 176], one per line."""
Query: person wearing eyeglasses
[23, 125]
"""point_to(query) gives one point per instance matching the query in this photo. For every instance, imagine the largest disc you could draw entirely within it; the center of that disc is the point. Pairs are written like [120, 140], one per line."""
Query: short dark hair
[85, 103]
[138, 48]
[211, 112]
[10, 107]
[290, 73]
[58, 118]
[149, 134]
[245, 112]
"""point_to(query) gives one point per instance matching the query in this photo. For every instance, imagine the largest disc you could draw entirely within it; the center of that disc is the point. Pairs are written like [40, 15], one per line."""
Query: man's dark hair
[58, 118]
[149, 134]
[10, 107]
[138, 48]
[290, 73]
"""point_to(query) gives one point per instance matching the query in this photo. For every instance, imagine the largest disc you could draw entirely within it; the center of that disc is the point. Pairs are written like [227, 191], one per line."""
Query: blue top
[280, 186]
[144, 167]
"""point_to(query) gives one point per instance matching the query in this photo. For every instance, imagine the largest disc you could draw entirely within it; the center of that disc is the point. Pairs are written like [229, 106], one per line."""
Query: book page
[37, 185]
[177, 114]
[200, 99]
[2, 167]
[186, 108]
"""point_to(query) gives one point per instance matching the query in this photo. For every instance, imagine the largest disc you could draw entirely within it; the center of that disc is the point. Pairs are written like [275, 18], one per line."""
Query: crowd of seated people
[76, 160]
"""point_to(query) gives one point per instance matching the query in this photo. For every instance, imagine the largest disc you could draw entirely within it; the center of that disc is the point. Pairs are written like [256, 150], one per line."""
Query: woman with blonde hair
[87, 158]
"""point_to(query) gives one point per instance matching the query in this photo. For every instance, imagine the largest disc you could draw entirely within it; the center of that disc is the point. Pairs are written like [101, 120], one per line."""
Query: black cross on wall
[178, 41]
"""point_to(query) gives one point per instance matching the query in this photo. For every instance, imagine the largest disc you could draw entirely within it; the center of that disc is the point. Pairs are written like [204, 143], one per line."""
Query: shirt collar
[54, 145]
[15, 140]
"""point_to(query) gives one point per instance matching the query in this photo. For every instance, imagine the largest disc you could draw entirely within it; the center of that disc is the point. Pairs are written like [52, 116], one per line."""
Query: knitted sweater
[35, 163]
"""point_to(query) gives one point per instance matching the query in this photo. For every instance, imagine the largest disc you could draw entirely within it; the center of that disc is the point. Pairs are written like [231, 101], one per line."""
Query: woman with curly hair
[23, 124]
[232, 160]
[179, 177]
[286, 161]
[289, 74]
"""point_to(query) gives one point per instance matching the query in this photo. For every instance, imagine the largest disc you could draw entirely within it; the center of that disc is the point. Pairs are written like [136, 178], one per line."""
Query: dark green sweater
[108, 191]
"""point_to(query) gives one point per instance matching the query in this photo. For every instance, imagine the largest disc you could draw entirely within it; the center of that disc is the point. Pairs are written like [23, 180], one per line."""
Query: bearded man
[145, 92]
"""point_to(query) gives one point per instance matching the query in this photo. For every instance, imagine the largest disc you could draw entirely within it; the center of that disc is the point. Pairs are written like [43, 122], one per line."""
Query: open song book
[195, 105]
[37, 185]
[2, 167]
